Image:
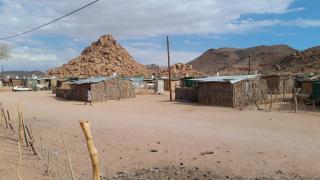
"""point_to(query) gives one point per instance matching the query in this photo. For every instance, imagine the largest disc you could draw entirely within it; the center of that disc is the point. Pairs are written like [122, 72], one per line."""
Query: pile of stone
[180, 71]
[103, 58]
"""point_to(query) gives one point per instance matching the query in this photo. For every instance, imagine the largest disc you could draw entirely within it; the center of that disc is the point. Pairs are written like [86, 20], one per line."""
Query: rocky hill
[177, 71]
[181, 70]
[102, 58]
[302, 62]
[263, 58]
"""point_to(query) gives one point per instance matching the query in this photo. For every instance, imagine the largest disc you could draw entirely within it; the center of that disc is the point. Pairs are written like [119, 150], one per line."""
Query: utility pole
[169, 67]
[249, 70]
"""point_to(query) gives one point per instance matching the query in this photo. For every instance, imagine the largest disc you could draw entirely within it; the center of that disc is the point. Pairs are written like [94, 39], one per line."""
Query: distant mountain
[177, 70]
[21, 74]
[264, 58]
[300, 62]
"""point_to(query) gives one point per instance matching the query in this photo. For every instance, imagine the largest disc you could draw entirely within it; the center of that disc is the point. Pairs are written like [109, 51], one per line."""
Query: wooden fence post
[4, 117]
[9, 120]
[92, 150]
[271, 99]
[296, 92]
[70, 168]
[20, 124]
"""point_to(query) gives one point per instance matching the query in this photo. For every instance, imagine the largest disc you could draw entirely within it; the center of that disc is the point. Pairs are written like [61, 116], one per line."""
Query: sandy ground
[245, 143]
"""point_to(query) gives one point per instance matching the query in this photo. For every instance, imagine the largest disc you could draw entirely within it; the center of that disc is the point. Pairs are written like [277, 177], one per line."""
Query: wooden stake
[31, 142]
[48, 162]
[25, 134]
[92, 150]
[1, 116]
[70, 169]
[270, 107]
[296, 92]
[9, 120]
[19, 162]
[20, 124]
[283, 88]
[4, 117]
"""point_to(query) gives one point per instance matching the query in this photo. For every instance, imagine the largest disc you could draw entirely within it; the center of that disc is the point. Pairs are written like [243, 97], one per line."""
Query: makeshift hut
[309, 88]
[102, 89]
[273, 82]
[225, 91]
[279, 84]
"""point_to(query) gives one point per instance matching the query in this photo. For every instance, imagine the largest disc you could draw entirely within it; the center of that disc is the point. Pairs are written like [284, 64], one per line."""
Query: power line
[55, 20]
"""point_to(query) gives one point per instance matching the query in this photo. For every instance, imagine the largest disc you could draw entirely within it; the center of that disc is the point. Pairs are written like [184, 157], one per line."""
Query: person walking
[89, 97]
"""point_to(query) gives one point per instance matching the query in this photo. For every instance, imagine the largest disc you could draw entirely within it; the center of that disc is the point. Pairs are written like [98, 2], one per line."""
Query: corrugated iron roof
[90, 80]
[231, 79]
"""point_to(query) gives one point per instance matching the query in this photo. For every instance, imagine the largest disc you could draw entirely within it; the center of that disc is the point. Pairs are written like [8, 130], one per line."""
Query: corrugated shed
[90, 80]
[230, 79]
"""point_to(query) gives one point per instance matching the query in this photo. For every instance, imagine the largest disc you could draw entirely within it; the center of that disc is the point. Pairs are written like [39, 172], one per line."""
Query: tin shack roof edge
[230, 79]
[90, 80]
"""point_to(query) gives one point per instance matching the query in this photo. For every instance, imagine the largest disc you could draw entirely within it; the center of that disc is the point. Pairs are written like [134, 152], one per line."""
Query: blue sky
[141, 27]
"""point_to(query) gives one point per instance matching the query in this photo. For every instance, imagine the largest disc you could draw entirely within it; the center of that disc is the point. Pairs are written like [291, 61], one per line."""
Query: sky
[141, 26]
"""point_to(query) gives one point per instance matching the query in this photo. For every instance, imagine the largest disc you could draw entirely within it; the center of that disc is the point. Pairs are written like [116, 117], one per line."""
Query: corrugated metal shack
[309, 85]
[225, 91]
[310, 89]
[102, 89]
[273, 82]
[279, 83]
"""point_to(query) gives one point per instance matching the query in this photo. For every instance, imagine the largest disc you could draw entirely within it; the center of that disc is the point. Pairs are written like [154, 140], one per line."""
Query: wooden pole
[20, 124]
[22, 129]
[31, 142]
[9, 120]
[19, 162]
[249, 69]
[169, 67]
[92, 150]
[25, 133]
[4, 117]
[1, 116]
[296, 92]
[70, 169]
[271, 99]
[283, 89]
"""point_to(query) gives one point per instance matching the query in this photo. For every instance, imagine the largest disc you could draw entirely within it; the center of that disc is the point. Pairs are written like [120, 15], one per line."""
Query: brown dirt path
[245, 143]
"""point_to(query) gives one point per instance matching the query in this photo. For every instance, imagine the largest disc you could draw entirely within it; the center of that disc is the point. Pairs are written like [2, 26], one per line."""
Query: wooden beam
[92, 149]
[169, 67]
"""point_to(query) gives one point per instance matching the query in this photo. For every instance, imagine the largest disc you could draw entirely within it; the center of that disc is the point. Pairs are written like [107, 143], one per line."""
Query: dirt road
[244, 143]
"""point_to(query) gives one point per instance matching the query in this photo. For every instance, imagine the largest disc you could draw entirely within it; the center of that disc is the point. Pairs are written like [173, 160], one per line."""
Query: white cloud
[302, 23]
[126, 18]
[132, 19]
